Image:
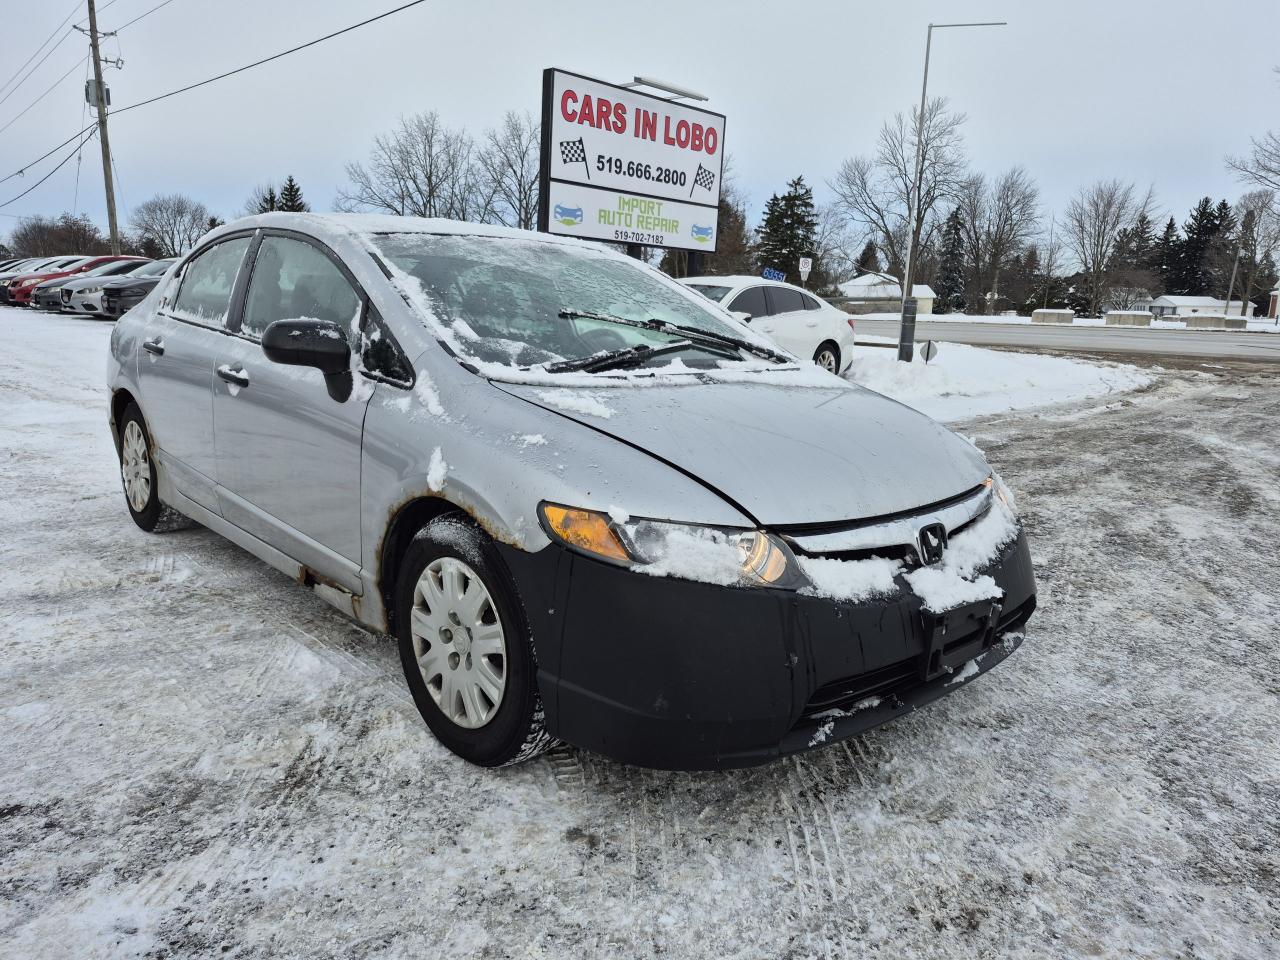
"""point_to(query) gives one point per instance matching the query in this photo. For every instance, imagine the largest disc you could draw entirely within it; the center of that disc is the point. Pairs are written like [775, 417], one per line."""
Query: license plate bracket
[957, 635]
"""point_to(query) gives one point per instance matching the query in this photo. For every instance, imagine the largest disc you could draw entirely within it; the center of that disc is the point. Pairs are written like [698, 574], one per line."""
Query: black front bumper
[680, 675]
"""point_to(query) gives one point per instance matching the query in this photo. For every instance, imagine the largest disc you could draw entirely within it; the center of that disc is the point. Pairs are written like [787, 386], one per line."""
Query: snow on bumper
[677, 674]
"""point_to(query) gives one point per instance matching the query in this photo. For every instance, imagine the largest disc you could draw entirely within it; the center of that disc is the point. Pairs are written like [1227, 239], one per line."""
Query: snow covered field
[201, 759]
[963, 381]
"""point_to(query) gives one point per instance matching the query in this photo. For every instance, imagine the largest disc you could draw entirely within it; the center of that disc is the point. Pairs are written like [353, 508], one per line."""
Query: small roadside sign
[929, 350]
[806, 264]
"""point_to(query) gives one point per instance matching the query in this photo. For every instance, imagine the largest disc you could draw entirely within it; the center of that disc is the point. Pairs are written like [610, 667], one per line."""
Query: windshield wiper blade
[723, 338]
[696, 334]
[614, 359]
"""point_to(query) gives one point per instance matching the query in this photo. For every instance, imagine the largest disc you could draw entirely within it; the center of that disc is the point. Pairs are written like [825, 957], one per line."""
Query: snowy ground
[963, 381]
[201, 759]
[1256, 324]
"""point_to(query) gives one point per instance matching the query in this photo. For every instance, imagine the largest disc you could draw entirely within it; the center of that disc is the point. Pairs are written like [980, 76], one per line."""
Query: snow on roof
[877, 286]
[1179, 301]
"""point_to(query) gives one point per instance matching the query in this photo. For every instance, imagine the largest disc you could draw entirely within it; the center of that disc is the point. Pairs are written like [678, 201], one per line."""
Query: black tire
[827, 356]
[151, 515]
[516, 731]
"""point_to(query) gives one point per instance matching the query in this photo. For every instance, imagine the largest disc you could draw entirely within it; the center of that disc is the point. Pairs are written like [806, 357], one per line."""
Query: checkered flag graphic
[574, 151]
[703, 178]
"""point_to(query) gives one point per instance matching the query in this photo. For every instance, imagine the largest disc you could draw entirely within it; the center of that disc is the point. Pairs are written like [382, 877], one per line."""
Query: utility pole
[100, 96]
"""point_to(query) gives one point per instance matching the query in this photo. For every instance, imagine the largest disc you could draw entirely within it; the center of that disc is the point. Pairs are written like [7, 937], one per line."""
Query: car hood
[784, 454]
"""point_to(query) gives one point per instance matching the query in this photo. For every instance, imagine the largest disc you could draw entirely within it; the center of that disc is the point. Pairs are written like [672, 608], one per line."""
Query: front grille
[66, 296]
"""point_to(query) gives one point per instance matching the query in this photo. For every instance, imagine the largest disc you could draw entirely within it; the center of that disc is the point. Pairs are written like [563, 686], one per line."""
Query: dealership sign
[628, 167]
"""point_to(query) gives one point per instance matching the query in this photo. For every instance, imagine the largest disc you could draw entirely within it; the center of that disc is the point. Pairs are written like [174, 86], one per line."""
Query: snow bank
[964, 381]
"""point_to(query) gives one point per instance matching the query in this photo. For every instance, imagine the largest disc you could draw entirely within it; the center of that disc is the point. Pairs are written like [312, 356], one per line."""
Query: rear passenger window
[810, 303]
[751, 301]
[783, 300]
[207, 283]
[293, 280]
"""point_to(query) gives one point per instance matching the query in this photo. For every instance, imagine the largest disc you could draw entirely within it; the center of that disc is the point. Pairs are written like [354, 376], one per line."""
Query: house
[880, 292]
[1173, 306]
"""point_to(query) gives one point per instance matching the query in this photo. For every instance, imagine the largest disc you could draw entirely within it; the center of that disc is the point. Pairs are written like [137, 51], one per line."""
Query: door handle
[234, 375]
[155, 345]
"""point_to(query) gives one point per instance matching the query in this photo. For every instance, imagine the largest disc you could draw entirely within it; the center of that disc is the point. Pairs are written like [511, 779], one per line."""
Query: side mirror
[740, 315]
[312, 343]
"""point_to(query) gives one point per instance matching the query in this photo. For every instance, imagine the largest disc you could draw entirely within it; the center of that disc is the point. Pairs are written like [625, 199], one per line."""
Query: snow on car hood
[787, 455]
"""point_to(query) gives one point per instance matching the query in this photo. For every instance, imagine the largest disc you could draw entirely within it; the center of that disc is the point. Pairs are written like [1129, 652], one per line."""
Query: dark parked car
[122, 294]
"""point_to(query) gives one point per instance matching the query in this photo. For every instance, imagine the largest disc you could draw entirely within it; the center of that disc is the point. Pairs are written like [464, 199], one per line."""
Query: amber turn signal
[586, 530]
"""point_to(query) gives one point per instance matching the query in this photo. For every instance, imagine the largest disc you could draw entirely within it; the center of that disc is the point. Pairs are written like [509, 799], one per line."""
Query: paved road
[1186, 343]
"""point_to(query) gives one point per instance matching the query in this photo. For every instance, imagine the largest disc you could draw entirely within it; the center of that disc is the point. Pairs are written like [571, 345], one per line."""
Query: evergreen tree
[950, 283]
[1165, 259]
[269, 201]
[290, 199]
[1198, 235]
[869, 259]
[788, 232]
[214, 221]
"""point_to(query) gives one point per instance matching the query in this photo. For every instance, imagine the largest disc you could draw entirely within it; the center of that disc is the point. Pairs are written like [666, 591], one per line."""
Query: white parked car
[795, 319]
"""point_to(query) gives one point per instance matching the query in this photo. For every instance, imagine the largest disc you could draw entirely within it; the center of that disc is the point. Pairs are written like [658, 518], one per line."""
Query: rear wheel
[466, 648]
[138, 475]
[827, 356]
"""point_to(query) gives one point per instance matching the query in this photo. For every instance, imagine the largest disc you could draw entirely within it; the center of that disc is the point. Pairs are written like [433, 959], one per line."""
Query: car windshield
[152, 269]
[710, 292]
[524, 302]
[106, 269]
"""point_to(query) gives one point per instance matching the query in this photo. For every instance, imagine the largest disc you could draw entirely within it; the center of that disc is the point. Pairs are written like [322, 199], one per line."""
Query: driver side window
[293, 280]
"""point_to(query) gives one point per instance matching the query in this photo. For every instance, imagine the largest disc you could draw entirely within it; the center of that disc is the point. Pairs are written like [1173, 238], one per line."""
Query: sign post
[907, 335]
[628, 167]
[806, 265]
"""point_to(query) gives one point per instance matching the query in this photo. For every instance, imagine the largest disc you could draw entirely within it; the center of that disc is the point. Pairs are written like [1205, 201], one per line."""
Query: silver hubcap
[135, 467]
[827, 361]
[458, 642]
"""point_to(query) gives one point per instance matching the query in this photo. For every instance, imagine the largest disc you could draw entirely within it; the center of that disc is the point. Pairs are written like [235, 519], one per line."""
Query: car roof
[733, 282]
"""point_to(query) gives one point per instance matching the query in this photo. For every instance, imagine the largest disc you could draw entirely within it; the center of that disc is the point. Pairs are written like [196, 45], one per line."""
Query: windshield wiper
[695, 334]
[616, 359]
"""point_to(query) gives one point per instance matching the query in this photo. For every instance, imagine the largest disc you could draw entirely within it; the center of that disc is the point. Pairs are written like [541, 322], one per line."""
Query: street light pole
[907, 328]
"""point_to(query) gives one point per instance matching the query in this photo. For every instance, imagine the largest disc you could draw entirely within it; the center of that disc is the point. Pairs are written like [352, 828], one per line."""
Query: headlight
[1002, 492]
[85, 291]
[750, 558]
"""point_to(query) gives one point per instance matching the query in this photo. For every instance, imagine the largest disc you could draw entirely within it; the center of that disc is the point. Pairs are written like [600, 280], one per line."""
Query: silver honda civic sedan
[588, 503]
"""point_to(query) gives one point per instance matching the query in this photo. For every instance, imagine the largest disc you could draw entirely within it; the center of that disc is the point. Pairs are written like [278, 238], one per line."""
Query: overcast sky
[1154, 91]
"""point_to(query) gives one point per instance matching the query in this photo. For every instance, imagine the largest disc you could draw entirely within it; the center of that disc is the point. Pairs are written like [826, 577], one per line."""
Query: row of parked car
[102, 286]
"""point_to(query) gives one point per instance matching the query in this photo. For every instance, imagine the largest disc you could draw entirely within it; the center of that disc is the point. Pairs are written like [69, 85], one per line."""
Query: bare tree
[1258, 214]
[170, 223]
[420, 169]
[1262, 165]
[50, 236]
[1094, 218]
[508, 170]
[836, 246]
[998, 218]
[878, 192]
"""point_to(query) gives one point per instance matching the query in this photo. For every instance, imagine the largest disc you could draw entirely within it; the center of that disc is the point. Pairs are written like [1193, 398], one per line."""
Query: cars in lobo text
[795, 319]
[588, 502]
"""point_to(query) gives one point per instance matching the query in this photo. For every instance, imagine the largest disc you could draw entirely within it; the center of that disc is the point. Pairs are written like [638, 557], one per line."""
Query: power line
[222, 76]
[74, 67]
[60, 165]
[27, 75]
[43, 45]
[141, 15]
[277, 56]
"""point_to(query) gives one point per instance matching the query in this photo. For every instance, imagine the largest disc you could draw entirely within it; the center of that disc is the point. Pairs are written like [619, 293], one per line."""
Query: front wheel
[827, 356]
[466, 648]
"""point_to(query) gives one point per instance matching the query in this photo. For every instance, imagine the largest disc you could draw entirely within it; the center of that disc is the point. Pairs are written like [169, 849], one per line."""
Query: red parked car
[19, 288]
